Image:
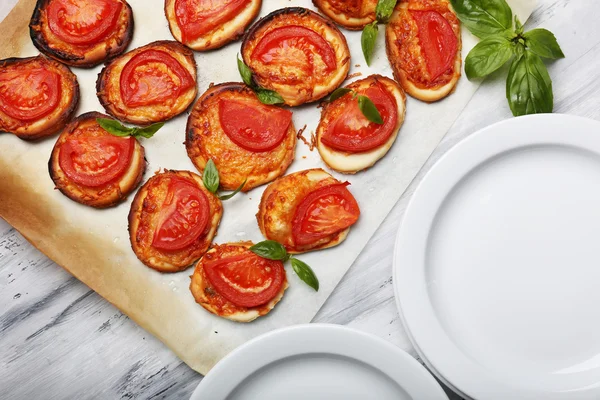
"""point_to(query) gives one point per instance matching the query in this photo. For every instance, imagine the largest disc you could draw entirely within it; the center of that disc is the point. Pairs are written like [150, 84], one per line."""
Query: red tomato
[324, 212]
[197, 17]
[96, 161]
[28, 94]
[246, 280]
[253, 125]
[351, 131]
[277, 41]
[183, 217]
[83, 22]
[152, 77]
[438, 41]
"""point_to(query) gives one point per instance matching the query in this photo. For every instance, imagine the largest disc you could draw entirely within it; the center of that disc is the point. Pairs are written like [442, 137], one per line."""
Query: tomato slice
[253, 125]
[324, 212]
[197, 17]
[83, 22]
[438, 41]
[275, 44]
[246, 280]
[152, 77]
[97, 160]
[183, 218]
[351, 131]
[28, 93]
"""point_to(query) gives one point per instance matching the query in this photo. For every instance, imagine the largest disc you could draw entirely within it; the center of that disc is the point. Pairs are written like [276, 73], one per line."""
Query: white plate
[497, 262]
[318, 362]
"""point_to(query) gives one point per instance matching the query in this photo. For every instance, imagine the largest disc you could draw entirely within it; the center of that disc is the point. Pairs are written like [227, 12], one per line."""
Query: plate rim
[311, 335]
[480, 383]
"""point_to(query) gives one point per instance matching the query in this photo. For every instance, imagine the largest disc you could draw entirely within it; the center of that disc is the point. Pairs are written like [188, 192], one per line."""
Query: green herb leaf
[484, 17]
[518, 26]
[236, 191]
[543, 43]
[368, 40]
[245, 72]
[488, 55]
[114, 127]
[528, 86]
[269, 97]
[210, 177]
[339, 92]
[270, 249]
[305, 273]
[369, 109]
[384, 10]
[148, 131]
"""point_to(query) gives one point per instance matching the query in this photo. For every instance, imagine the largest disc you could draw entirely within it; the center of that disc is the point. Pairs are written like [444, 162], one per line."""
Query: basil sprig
[273, 250]
[366, 106]
[383, 12]
[210, 178]
[528, 85]
[265, 96]
[115, 128]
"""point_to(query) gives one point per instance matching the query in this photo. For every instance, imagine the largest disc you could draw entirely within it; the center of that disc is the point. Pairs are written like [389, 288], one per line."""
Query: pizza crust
[347, 18]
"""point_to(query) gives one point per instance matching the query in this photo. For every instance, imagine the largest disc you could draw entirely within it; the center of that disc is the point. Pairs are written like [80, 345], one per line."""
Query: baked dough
[350, 14]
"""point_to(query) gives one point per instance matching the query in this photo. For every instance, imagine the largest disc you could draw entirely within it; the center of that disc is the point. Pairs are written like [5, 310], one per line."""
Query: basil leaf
[484, 17]
[245, 72]
[528, 86]
[368, 39]
[148, 131]
[236, 191]
[269, 97]
[114, 127]
[543, 43]
[518, 26]
[384, 10]
[488, 55]
[210, 177]
[270, 249]
[305, 273]
[369, 110]
[339, 92]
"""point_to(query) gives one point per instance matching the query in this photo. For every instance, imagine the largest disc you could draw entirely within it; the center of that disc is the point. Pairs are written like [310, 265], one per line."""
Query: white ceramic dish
[497, 262]
[318, 362]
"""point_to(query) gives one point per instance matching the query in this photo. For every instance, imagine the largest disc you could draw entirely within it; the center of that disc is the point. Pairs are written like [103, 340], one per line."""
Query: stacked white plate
[497, 262]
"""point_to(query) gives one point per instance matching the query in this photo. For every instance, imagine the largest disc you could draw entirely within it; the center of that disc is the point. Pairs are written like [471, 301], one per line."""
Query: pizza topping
[437, 40]
[83, 22]
[198, 17]
[252, 125]
[246, 280]
[284, 45]
[324, 212]
[29, 93]
[97, 160]
[350, 130]
[183, 217]
[153, 77]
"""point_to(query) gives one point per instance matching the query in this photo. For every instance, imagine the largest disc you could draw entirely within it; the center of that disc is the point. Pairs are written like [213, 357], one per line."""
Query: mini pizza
[172, 221]
[347, 141]
[150, 84]
[246, 139]
[298, 54]
[423, 44]
[234, 283]
[81, 33]
[307, 210]
[205, 25]
[93, 167]
[38, 96]
[352, 14]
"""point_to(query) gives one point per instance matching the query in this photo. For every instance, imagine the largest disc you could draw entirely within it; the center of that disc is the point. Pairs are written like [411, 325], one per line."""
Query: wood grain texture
[76, 345]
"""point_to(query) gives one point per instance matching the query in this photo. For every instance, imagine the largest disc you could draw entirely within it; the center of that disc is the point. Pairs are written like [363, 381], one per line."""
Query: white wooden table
[58, 339]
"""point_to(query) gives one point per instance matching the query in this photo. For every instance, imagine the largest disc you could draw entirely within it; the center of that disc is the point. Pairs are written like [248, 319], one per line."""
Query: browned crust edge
[66, 115]
[103, 77]
[39, 41]
[341, 19]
